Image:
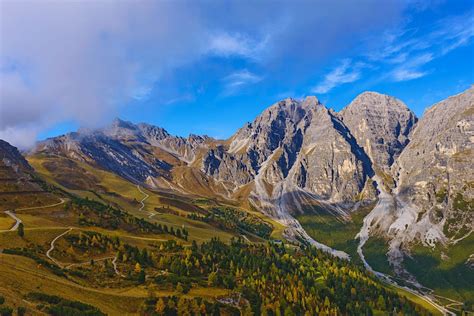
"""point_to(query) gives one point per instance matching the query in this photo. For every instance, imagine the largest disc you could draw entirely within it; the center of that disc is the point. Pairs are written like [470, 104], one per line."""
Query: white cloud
[411, 69]
[82, 61]
[235, 81]
[456, 32]
[344, 73]
[407, 50]
[225, 44]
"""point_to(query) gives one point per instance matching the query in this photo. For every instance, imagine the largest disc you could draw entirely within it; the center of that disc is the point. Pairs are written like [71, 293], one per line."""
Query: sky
[208, 67]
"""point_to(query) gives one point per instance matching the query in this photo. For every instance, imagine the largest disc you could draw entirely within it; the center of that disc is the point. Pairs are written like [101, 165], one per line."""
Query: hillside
[106, 253]
[134, 208]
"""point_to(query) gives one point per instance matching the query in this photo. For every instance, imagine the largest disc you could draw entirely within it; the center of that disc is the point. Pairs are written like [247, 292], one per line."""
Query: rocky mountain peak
[119, 123]
[10, 156]
[310, 101]
[120, 129]
[369, 100]
[381, 125]
[153, 133]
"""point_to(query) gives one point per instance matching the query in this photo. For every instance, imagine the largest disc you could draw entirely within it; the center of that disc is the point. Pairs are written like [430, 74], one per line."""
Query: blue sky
[207, 67]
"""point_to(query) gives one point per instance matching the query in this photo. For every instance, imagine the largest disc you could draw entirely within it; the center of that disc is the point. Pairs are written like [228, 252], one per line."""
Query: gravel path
[51, 248]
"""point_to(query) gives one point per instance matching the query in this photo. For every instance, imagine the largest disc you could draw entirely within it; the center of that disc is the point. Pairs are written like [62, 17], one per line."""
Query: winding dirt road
[51, 248]
[45, 206]
[146, 196]
[114, 263]
[18, 221]
[87, 262]
[143, 200]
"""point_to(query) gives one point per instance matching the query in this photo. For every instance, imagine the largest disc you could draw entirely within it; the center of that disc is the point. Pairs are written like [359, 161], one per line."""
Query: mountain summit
[300, 157]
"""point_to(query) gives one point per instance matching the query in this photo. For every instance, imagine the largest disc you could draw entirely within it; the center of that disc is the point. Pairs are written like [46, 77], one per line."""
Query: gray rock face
[296, 154]
[10, 156]
[435, 172]
[332, 165]
[381, 125]
[123, 148]
[300, 156]
[226, 167]
[15, 175]
[105, 152]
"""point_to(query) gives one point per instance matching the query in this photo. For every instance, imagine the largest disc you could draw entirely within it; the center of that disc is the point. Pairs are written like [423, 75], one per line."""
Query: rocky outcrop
[10, 156]
[435, 173]
[16, 177]
[299, 156]
[381, 125]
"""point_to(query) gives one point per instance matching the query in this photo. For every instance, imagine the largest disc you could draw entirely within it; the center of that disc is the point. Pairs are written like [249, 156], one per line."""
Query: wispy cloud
[344, 73]
[237, 80]
[183, 98]
[407, 50]
[228, 45]
[412, 69]
[456, 31]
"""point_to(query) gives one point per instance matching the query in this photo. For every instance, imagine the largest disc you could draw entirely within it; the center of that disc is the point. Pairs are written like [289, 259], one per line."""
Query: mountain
[10, 157]
[300, 157]
[435, 173]
[140, 153]
[371, 183]
[18, 184]
[381, 125]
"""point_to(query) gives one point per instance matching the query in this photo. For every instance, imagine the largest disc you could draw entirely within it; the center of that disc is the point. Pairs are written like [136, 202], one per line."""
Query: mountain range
[412, 178]
[299, 156]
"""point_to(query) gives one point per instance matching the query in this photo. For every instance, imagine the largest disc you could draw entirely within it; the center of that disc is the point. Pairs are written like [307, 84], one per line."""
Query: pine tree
[381, 303]
[212, 279]
[21, 230]
[179, 288]
[141, 277]
[160, 306]
[138, 268]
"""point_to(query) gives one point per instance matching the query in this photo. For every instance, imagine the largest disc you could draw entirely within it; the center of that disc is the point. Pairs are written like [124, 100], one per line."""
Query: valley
[304, 211]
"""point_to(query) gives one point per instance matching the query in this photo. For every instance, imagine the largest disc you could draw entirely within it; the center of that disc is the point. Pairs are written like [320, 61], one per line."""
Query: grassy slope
[6, 222]
[322, 227]
[450, 277]
[415, 299]
[335, 233]
[21, 275]
[125, 194]
[375, 252]
[340, 235]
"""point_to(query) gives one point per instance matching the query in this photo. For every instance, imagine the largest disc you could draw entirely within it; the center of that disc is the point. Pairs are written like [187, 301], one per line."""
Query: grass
[197, 230]
[42, 237]
[112, 189]
[450, 277]
[20, 200]
[334, 232]
[22, 275]
[6, 222]
[415, 299]
[375, 252]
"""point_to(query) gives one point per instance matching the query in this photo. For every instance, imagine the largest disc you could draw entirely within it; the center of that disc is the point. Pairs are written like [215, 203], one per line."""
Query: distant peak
[117, 122]
[372, 99]
[375, 95]
[311, 100]
[288, 101]
[372, 95]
